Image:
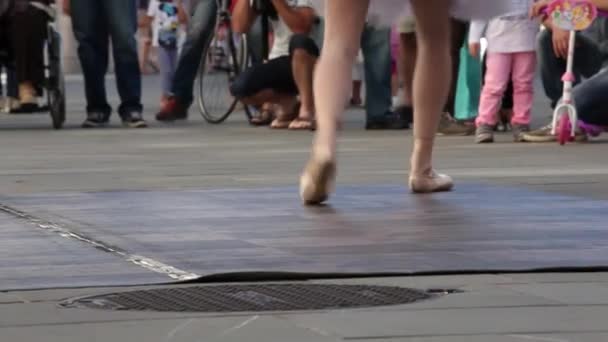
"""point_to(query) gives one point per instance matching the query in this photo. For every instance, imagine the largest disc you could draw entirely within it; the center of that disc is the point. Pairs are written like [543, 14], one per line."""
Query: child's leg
[498, 70]
[431, 79]
[524, 66]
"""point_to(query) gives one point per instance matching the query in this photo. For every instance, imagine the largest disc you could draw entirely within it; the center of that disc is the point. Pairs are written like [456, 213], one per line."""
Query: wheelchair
[53, 87]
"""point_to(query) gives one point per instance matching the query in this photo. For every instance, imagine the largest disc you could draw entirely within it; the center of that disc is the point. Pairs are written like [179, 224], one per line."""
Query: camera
[265, 7]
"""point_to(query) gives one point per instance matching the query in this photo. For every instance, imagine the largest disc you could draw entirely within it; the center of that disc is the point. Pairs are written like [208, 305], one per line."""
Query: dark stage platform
[365, 230]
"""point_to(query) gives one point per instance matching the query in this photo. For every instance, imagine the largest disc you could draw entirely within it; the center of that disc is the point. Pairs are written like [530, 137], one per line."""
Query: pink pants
[520, 66]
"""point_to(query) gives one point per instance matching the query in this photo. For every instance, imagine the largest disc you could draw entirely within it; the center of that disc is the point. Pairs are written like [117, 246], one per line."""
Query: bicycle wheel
[221, 63]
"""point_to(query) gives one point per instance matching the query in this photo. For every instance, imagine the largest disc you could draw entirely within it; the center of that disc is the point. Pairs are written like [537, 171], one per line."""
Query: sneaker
[449, 126]
[172, 110]
[591, 130]
[134, 119]
[518, 131]
[543, 134]
[484, 134]
[96, 120]
[389, 121]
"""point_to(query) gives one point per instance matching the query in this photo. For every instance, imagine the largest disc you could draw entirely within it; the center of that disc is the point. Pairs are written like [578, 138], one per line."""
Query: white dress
[386, 12]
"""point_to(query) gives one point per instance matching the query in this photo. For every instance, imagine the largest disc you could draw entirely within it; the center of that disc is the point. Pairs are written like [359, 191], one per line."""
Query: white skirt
[387, 12]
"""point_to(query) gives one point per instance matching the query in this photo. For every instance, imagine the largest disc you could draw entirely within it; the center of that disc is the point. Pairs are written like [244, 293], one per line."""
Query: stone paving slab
[579, 337]
[526, 320]
[527, 317]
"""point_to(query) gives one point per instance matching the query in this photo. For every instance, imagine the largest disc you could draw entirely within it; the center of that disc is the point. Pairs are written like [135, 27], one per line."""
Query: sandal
[284, 118]
[262, 118]
[300, 124]
[281, 122]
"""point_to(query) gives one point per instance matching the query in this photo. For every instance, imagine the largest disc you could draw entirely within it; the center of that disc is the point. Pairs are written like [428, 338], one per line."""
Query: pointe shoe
[430, 181]
[317, 181]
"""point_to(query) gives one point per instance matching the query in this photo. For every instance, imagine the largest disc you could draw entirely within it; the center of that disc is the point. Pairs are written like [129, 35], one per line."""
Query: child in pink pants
[510, 54]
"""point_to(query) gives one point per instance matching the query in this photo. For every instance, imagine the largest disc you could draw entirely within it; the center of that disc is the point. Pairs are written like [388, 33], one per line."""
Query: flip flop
[281, 123]
[299, 124]
[262, 118]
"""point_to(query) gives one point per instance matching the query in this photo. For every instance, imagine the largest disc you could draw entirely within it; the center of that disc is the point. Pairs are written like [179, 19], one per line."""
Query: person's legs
[498, 70]
[264, 82]
[431, 87]
[270, 82]
[200, 30]
[90, 29]
[523, 71]
[27, 46]
[587, 62]
[344, 22]
[121, 18]
[166, 61]
[458, 35]
[407, 65]
[304, 54]
[591, 101]
[376, 48]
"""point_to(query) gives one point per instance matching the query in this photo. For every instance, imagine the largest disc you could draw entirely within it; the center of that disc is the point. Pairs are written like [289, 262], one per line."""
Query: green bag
[468, 88]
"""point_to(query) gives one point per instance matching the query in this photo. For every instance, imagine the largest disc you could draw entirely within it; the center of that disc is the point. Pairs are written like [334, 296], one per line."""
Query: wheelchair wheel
[55, 82]
[223, 57]
[57, 107]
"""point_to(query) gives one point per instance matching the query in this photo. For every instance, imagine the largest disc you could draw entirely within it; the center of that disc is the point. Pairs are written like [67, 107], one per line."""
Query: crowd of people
[489, 91]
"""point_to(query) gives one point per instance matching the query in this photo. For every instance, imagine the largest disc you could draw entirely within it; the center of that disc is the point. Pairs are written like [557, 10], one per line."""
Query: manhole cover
[268, 297]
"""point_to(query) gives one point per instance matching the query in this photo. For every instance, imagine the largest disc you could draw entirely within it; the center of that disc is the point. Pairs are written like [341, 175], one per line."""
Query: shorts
[276, 74]
[406, 25]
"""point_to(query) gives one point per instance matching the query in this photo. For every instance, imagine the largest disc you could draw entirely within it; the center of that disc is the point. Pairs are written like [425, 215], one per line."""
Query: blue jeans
[590, 99]
[589, 94]
[200, 31]
[376, 48]
[587, 62]
[95, 23]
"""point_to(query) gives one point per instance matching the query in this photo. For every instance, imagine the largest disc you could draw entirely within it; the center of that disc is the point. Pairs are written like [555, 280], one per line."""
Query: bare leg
[344, 21]
[303, 65]
[431, 87]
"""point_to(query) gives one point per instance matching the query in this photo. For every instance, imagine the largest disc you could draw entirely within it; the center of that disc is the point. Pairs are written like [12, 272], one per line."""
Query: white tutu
[387, 12]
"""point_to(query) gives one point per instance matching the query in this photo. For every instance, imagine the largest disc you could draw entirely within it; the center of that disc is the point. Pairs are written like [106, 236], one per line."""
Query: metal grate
[254, 298]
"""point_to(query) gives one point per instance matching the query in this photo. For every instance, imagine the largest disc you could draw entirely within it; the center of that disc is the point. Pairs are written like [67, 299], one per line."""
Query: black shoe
[406, 113]
[133, 120]
[96, 120]
[388, 121]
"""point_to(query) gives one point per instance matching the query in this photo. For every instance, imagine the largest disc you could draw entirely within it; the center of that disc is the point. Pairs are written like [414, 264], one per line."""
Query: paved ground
[37, 161]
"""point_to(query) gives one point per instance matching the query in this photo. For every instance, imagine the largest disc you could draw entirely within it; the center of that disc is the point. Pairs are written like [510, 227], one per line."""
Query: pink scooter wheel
[563, 134]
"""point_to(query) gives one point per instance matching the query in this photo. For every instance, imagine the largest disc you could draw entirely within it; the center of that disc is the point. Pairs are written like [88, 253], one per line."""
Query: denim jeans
[590, 99]
[376, 48]
[200, 31]
[587, 62]
[95, 23]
